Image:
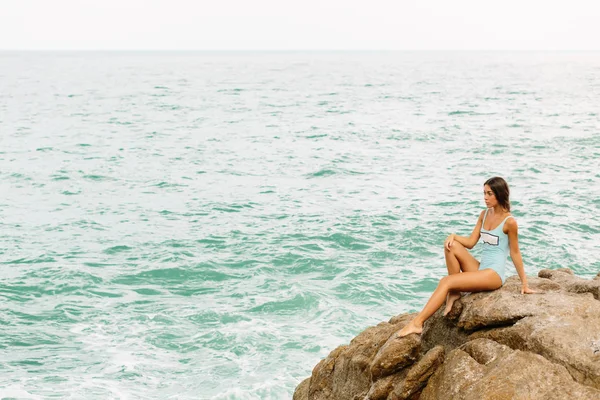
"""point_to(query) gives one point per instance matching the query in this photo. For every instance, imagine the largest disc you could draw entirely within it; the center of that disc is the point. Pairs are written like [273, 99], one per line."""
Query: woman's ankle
[417, 323]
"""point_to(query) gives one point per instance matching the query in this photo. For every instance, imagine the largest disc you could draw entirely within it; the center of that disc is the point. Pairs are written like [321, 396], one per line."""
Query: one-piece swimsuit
[495, 248]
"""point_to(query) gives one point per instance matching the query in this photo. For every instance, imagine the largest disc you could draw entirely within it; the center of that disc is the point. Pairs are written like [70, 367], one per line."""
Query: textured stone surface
[483, 369]
[568, 340]
[381, 389]
[459, 372]
[573, 284]
[492, 345]
[418, 375]
[394, 355]
[301, 392]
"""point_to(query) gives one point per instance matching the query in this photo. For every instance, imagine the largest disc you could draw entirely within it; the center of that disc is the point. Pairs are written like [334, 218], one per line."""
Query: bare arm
[468, 242]
[515, 252]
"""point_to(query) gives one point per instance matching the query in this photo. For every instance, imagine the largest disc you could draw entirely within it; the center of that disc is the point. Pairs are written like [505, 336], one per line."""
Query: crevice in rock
[492, 326]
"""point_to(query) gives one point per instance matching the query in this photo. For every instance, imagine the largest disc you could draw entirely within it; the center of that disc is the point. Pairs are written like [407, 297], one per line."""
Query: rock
[443, 331]
[565, 278]
[409, 381]
[565, 270]
[418, 375]
[483, 369]
[301, 392]
[321, 381]
[567, 340]
[458, 372]
[380, 390]
[395, 354]
[492, 345]
[346, 372]
[502, 307]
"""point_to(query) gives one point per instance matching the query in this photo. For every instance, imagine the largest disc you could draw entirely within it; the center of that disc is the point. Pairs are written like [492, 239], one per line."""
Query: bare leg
[450, 299]
[458, 258]
[453, 266]
[476, 281]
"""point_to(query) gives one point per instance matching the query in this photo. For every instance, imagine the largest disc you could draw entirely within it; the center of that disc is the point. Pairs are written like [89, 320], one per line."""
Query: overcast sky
[299, 25]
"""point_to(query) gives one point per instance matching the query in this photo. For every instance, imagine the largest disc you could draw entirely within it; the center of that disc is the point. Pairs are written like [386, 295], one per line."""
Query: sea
[211, 225]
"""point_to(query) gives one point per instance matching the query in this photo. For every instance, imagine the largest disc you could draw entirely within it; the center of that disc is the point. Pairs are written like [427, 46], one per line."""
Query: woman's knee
[456, 246]
[445, 282]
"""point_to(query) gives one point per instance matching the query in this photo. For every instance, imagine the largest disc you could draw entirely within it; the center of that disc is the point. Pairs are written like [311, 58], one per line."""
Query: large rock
[347, 370]
[484, 370]
[492, 345]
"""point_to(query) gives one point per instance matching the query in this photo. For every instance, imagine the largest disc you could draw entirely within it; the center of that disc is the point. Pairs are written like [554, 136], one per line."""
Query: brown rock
[321, 382]
[496, 308]
[418, 375]
[301, 392]
[498, 345]
[381, 389]
[572, 341]
[346, 372]
[458, 372]
[395, 354]
[504, 374]
[565, 270]
[507, 305]
[571, 283]
[440, 330]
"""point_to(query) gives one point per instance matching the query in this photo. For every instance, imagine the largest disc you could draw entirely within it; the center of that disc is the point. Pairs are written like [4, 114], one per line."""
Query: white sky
[299, 25]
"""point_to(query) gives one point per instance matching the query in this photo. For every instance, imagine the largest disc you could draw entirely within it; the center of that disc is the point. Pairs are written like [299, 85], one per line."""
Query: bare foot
[411, 327]
[452, 297]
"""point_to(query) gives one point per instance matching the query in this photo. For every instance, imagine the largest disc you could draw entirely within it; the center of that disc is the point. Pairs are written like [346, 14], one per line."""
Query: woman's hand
[525, 290]
[449, 241]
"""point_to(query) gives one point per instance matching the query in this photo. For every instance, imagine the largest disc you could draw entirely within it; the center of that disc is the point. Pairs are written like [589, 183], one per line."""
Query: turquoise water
[211, 225]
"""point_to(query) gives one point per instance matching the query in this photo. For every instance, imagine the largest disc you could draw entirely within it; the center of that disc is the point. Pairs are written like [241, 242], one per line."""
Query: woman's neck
[498, 210]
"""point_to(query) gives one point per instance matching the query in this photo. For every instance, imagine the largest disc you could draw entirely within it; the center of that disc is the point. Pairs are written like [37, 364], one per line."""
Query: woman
[499, 232]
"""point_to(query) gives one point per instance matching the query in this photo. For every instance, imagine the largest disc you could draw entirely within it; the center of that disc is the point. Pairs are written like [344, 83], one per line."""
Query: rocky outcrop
[492, 345]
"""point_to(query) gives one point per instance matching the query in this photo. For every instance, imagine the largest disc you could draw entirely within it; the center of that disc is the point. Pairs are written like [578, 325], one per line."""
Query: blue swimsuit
[495, 248]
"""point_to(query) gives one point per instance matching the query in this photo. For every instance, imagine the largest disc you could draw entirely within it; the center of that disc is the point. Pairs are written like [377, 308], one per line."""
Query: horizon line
[296, 50]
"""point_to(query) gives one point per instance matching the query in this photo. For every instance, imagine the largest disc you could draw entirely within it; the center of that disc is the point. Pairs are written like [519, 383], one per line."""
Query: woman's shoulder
[482, 215]
[511, 222]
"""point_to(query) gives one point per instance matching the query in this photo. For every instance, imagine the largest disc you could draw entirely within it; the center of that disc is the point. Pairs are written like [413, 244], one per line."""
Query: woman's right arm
[468, 242]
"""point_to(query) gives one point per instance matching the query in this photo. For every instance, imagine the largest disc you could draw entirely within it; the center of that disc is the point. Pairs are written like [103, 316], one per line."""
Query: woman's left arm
[515, 253]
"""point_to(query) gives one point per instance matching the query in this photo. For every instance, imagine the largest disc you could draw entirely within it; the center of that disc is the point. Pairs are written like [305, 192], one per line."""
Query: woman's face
[489, 197]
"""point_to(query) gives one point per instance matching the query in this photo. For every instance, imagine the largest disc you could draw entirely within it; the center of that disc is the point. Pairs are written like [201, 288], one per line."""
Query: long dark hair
[501, 191]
